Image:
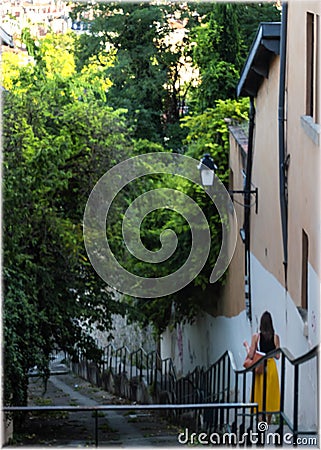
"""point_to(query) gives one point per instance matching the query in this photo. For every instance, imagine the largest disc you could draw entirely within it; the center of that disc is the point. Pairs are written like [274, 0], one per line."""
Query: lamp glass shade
[207, 177]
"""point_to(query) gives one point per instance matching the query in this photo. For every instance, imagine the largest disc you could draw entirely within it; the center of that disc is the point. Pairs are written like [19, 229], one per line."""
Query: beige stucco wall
[303, 175]
[233, 293]
[266, 234]
[304, 170]
[266, 239]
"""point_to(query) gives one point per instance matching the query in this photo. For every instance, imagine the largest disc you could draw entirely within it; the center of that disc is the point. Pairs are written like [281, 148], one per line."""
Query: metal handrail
[168, 373]
[96, 409]
[108, 351]
[217, 382]
[139, 364]
[123, 351]
[130, 407]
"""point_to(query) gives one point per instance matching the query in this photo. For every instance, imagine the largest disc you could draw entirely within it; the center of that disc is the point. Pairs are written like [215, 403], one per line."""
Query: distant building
[39, 16]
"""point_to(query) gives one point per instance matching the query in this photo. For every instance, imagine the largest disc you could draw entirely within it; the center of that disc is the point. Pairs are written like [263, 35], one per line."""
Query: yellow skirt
[272, 388]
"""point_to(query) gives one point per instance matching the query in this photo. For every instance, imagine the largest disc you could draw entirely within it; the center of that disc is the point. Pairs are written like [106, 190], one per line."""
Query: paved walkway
[77, 429]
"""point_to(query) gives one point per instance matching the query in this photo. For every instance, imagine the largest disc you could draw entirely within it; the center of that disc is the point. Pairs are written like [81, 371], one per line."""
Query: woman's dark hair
[266, 325]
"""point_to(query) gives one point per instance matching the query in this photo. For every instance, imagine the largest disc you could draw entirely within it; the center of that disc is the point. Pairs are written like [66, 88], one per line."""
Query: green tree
[250, 15]
[55, 55]
[207, 132]
[59, 137]
[137, 75]
[217, 54]
[145, 74]
[222, 41]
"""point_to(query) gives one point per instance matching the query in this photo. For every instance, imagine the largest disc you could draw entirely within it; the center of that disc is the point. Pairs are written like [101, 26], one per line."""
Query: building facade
[276, 265]
[40, 16]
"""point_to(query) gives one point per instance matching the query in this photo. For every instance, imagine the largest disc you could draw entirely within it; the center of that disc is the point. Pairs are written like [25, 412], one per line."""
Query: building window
[312, 66]
[304, 271]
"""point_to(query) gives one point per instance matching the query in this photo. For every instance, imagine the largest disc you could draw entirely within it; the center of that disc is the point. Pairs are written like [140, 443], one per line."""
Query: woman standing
[265, 341]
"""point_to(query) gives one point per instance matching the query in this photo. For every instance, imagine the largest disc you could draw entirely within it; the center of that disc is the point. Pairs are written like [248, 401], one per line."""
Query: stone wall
[127, 334]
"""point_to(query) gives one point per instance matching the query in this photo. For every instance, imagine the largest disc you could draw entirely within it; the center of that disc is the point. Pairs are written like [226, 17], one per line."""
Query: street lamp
[207, 169]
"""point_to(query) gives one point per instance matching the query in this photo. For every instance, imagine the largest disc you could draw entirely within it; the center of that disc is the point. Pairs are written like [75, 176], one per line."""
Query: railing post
[264, 388]
[242, 425]
[125, 360]
[96, 428]
[252, 412]
[282, 397]
[223, 394]
[295, 404]
[228, 389]
[147, 368]
[236, 394]
[131, 366]
[155, 373]
[141, 364]
[116, 361]
[216, 394]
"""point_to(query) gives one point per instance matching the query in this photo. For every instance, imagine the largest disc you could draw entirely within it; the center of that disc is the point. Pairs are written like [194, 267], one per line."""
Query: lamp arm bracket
[245, 191]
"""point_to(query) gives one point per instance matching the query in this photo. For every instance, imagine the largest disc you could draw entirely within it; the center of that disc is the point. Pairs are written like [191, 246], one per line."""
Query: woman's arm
[253, 346]
[277, 345]
[247, 347]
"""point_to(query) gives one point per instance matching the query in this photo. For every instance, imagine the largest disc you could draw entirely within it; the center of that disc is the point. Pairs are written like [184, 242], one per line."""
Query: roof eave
[256, 68]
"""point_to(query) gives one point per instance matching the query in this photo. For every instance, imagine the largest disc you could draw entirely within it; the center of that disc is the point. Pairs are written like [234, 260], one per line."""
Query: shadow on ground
[77, 429]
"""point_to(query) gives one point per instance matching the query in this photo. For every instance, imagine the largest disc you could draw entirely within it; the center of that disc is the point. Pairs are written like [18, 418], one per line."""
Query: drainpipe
[283, 164]
[247, 210]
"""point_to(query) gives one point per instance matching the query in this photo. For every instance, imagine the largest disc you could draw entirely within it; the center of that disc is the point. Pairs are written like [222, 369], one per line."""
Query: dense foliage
[207, 132]
[79, 106]
[59, 137]
[137, 33]
[223, 39]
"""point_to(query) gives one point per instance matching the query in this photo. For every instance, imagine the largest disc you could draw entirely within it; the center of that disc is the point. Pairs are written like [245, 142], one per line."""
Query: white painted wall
[314, 295]
[203, 342]
[269, 294]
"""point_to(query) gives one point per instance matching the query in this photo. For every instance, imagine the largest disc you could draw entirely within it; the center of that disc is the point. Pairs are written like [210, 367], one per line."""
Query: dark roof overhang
[265, 45]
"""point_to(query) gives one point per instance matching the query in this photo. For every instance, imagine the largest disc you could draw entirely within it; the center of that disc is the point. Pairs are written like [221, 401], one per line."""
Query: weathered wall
[202, 343]
[127, 334]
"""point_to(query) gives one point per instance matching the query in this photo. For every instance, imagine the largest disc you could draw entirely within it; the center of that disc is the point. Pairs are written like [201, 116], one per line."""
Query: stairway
[220, 384]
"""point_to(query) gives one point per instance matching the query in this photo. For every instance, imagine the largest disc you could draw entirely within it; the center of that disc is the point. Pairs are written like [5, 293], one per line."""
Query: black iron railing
[222, 383]
[121, 408]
